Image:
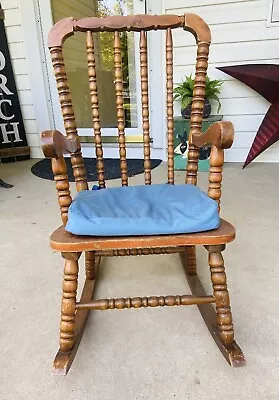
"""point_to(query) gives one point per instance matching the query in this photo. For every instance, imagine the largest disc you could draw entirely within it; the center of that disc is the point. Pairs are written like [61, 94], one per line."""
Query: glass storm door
[76, 66]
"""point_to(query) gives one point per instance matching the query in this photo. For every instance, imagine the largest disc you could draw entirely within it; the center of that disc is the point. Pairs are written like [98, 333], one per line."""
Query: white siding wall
[20, 67]
[239, 36]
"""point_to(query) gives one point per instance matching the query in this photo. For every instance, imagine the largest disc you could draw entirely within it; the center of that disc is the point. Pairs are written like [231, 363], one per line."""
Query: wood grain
[64, 360]
[54, 144]
[145, 107]
[65, 100]
[140, 252]
[63, 89]
[215, 174]
[198, 27]
[221, 294]
[120, 108]
[65, 241]
[95, 108]
[14, 152]
[220, 134]
[60, 32]
[90, 267]
[138, 302]
[68, 306]
[232, 353]
[197, 111]
[129, 23]
[191, 264]
[59, 169]
[67, 26]
[169, 87]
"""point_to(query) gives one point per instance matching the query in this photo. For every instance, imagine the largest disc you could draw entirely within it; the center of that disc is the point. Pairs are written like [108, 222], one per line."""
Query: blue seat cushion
[142, 210]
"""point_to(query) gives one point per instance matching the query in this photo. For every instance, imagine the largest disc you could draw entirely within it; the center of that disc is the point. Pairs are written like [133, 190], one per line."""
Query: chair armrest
[219, 134]
[54, 144]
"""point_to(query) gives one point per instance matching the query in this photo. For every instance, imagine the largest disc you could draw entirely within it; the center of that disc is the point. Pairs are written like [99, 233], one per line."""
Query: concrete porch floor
[164, 353]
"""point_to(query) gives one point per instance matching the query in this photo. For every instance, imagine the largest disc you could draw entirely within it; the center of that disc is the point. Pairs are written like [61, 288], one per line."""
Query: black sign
[13, 142]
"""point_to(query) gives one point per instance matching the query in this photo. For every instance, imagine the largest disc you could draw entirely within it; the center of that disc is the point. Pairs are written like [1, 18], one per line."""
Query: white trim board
[270, 7]
[35, 65]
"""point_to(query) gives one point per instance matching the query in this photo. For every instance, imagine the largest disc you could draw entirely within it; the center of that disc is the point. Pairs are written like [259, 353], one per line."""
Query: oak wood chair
[219, 136]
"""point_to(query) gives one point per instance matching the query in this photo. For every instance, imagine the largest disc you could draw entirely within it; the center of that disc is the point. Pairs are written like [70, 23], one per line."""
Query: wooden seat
[64, 241]
[219, 136]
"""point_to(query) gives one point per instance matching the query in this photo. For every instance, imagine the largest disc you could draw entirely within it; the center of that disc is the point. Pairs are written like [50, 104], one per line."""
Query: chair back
[141, 24]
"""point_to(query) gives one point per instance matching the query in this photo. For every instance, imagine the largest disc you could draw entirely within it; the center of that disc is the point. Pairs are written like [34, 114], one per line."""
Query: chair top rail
[66, 27]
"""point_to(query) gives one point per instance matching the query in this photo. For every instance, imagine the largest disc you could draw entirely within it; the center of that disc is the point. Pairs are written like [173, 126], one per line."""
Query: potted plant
[184, 92]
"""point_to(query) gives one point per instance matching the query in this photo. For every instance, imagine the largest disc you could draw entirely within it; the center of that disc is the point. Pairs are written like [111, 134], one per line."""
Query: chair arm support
[220, 134]
[54, 144]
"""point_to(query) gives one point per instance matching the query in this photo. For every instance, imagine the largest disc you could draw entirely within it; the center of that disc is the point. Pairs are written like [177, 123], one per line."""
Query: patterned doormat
[42, 168]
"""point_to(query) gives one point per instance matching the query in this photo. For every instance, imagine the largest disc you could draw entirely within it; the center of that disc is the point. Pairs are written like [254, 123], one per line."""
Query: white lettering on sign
[9, 132]
[3, 79]
[2, 115]
[5, 132]
[3, 85]
[2, 61]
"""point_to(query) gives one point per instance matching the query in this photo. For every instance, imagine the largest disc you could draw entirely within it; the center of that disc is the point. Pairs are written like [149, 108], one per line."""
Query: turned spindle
[95, 108]
[65, 100]
[120, 107]
[215, 174]
[59, 169]
[197, 111]
[170, 123]
[138, 302]
[145, 107]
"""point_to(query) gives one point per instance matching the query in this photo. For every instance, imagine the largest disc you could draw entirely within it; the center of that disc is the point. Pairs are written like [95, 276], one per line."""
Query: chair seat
[142, 210]
[61, 240]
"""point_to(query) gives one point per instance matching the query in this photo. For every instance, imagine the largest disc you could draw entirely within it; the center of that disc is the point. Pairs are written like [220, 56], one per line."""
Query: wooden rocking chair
[219, 136]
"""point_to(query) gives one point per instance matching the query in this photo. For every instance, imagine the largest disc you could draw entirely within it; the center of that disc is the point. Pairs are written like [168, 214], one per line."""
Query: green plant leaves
[212, 88]
[184, 91]
[186, 101]
[216, 98]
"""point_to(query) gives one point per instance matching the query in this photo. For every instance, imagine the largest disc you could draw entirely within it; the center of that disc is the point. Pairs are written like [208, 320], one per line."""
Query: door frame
[43, 85]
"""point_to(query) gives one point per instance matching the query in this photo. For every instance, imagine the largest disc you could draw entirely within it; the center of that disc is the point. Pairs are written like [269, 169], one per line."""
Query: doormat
[42, 168]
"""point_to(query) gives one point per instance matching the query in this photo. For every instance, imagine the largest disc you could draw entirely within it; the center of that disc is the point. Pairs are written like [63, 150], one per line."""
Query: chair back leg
[191, 262]
[90, 270]
[221, 294]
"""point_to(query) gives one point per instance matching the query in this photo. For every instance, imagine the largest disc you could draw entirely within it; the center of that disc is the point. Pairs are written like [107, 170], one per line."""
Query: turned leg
[90, 267]
[68, 306]
[221, 294]
[73, 322]
[191, 263]
[218, 319]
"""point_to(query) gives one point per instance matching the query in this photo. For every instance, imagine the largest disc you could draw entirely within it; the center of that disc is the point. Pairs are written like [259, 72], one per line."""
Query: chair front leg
[68, 306]
[221, 294]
